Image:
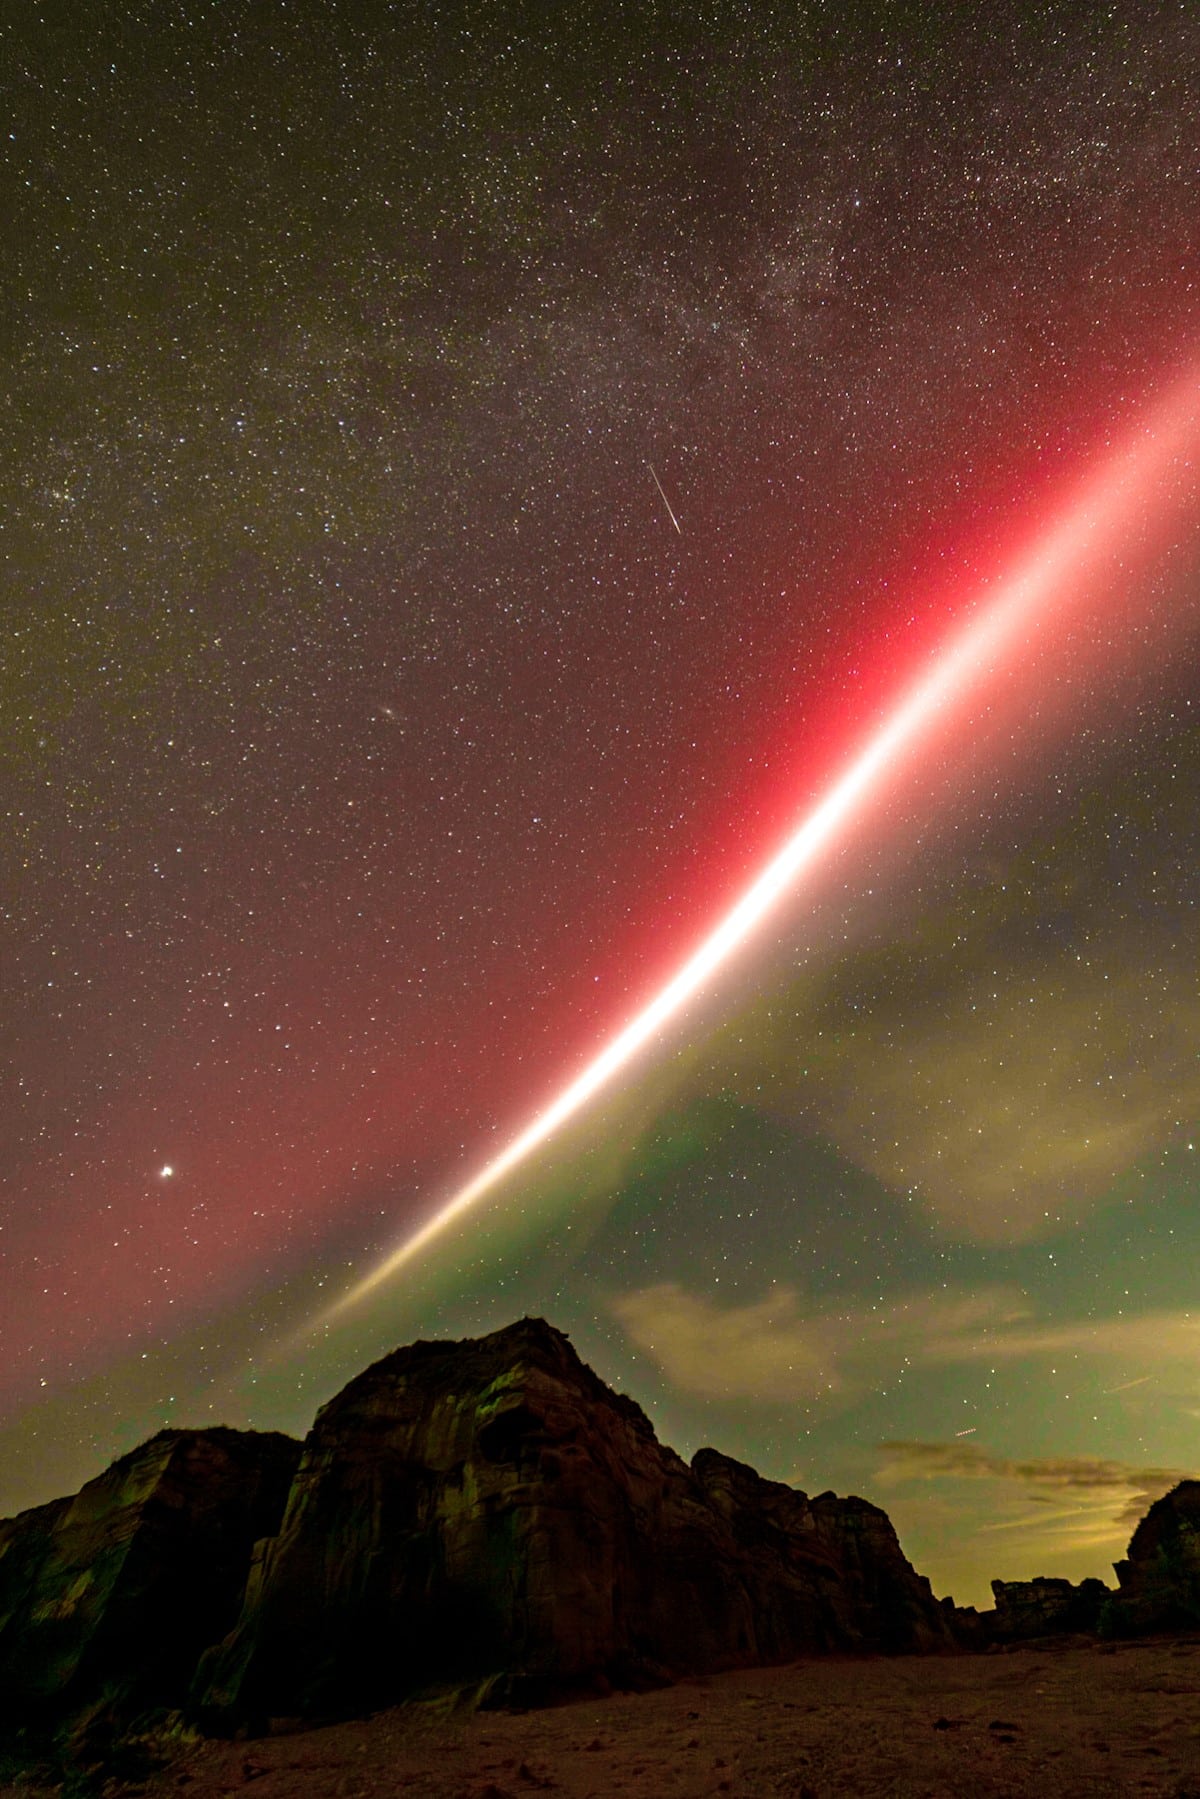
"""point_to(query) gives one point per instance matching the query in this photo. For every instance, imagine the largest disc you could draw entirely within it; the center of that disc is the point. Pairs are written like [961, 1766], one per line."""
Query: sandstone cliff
[118, 1590]
[490, 1512]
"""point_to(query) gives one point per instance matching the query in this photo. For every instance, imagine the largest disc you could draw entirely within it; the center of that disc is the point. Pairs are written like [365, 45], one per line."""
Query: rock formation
[484, 1516]
[118, 1590]
[1045, 1607]
[490, 1513]
[1159, 1583]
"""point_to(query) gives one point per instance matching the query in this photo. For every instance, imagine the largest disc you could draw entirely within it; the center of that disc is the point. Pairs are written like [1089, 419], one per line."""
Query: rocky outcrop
[1159, 1583]
[484, 1516]
[1045, 1607]
[820, 1573]
[490, 1513]
[117, 1591]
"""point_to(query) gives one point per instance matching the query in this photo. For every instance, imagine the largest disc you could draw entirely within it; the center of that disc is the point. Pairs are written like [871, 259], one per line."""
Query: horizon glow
[1092, 525]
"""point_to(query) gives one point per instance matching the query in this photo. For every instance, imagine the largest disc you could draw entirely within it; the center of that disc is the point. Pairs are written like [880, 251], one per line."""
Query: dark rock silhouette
[1159, 1583]
[485, 1517]
[116, 1591]
[489, 1512]
[1046, 1607]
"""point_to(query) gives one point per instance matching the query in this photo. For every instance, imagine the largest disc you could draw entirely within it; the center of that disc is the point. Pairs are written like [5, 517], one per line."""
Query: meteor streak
[1094, 524]
[665, 500]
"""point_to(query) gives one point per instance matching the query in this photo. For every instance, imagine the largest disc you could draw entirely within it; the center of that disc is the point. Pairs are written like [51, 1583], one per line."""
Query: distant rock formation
[117, 1591]
[1159, 1584]
[490, 1513]
[1045, 1607]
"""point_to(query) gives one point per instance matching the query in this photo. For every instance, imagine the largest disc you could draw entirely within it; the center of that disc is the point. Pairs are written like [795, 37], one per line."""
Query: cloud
[1084, 1477]
[1008, 1055]
[1007, 1123]
[779, 1350]
[774, 1349]
[762, 1351]
[1156, 1337]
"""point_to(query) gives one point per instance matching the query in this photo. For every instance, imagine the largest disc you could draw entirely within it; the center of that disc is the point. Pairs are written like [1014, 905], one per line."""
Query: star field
[380, 731]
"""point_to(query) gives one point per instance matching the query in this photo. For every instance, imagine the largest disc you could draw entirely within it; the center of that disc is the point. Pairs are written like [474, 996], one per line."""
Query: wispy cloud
[1005, 1086]
[1088, 1478]
[780, 1349]
[765, 1350]
[1158, 1337]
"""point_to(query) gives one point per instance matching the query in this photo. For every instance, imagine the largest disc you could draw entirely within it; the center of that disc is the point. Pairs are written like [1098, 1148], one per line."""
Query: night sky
[474, 475]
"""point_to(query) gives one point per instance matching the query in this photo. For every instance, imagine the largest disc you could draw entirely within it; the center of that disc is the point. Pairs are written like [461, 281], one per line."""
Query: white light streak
[1091, 528]
[665, 500]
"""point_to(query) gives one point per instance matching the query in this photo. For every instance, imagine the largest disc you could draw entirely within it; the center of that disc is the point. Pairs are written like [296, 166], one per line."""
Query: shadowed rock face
[118, 1590]
[1046, 1607]
[1159, 1584]
[490, 1508]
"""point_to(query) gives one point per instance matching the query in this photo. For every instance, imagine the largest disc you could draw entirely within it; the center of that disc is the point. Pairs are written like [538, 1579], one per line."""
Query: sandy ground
[1074, 1720]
